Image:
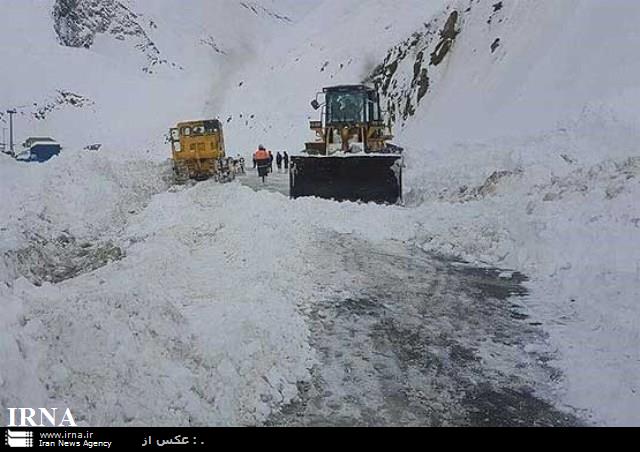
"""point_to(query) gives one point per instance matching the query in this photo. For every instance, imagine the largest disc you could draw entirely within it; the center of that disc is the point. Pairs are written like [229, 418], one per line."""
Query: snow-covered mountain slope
[341, 42]
[512, 68]
[520, 126]
[121, 72]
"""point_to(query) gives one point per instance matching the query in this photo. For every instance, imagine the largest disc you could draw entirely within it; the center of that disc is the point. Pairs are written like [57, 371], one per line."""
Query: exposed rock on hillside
[77, 22]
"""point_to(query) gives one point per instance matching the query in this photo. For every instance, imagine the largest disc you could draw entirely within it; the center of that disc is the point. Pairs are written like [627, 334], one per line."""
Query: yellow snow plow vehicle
[352, 158]
[198, 151]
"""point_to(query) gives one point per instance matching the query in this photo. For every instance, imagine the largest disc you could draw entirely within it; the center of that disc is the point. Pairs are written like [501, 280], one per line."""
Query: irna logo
[40, 417]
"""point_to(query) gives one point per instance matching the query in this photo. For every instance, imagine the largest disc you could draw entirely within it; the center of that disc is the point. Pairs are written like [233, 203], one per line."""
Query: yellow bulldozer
[352, 158]
[198, 151]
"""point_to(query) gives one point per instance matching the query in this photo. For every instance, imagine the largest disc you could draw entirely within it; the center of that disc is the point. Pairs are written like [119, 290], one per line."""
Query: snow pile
[574, 235]
[198, 320]
[195, 324]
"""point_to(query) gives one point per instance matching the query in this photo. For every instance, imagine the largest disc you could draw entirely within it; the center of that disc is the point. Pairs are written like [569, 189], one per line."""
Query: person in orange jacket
[263, 161]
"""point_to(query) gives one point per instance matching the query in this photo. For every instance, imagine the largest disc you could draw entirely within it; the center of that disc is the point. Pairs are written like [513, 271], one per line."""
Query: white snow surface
[552, 108]
[525, 158]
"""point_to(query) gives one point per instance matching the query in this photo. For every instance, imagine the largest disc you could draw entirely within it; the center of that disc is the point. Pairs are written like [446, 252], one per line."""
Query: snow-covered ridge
[412, 68]
[77, 22]
[258, 9]
[404, 75]
[124, 58]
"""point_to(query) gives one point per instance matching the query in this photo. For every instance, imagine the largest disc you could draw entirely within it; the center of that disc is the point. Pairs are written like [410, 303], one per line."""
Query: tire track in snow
[422, 340]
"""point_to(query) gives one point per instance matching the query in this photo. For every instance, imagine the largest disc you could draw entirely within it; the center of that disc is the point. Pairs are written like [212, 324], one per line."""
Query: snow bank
[574, 235]
[196, 322]
[197, 325]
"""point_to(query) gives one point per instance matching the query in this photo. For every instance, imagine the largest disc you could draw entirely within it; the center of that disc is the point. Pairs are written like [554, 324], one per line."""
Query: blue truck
[39, 149]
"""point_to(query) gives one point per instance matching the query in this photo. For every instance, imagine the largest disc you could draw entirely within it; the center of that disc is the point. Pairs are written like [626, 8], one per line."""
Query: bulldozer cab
[196, 149]
[349, 105]
[197, 139]
[352, 122]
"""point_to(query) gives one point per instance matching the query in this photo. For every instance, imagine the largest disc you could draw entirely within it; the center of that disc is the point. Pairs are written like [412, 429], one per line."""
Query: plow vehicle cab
[198, 151]
[351, 159]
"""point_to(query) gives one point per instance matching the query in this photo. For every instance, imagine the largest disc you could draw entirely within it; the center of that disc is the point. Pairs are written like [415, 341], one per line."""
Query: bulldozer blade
[372, 178]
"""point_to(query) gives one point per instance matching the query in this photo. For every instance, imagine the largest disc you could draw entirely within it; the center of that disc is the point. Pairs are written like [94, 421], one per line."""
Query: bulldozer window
[210, 127]
[198, 130]
[186, 131]
[374, 111]
[345, 107]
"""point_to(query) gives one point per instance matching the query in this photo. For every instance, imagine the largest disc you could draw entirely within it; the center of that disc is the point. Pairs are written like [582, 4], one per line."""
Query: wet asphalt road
[426, 342]
[276, 181]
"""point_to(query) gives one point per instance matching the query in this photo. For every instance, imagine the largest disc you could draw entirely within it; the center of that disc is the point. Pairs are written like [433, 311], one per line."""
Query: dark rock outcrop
[77, 22]
[403, 77]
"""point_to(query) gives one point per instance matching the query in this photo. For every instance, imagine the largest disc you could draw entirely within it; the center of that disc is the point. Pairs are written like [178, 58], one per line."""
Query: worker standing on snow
[279, 161]
[263, 161]
[271, 161]
[285, 158]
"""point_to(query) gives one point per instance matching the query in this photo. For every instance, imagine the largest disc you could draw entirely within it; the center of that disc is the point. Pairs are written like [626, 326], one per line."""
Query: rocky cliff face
[412, 68]
[258, 9]
[77, 22]
[404, 75]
